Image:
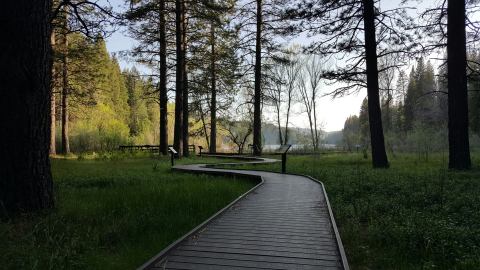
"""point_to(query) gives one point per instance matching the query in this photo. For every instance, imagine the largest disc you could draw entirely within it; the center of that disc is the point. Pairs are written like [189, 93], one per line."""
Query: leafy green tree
[411, 97]
[309, 86]
[455, 15]
[351, 133]
[139, 120]
[283, 80]
[474, 94]
[362, 33]
[386, 78]
[213, 64]
[364, 124]
[90, 19]
[150, 22]
[422, 97]
[98, 97]
[260, 23]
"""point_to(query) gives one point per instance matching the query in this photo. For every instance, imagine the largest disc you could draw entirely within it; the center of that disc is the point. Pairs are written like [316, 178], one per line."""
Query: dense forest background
[97, 106]
[415, 111]
[107, 106]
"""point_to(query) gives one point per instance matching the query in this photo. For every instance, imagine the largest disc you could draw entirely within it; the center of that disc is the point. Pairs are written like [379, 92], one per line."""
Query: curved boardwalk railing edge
[162, 253]
[341, 249]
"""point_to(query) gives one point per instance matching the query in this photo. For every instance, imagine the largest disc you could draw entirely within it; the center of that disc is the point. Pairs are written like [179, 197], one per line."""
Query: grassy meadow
[113, 212]
[415, 215]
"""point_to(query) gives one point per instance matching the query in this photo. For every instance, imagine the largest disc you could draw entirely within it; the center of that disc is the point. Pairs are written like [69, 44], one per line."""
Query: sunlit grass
[415, 215]
[113, 213]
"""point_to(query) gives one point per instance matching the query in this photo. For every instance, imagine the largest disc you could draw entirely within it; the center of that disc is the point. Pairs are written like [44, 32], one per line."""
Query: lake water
[273, 147]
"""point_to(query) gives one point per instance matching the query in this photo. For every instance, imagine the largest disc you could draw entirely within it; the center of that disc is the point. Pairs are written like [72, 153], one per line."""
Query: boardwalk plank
[324, 245]
[322, 260]
[292, 253]
[269, 239]
[236, 262]
[272, 230]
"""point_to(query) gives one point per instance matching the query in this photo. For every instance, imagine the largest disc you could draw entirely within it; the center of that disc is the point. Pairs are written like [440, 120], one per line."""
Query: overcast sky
[332, 112]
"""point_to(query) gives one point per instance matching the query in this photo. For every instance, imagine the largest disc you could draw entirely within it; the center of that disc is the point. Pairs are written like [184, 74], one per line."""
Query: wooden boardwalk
[285, 222]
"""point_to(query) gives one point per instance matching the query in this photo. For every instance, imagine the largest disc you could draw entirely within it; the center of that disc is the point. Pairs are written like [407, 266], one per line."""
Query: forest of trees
[415, 111]
[99, 106]
[209, 69]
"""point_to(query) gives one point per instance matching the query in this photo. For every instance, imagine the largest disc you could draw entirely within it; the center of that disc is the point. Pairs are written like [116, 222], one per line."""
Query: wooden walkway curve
[285, 222]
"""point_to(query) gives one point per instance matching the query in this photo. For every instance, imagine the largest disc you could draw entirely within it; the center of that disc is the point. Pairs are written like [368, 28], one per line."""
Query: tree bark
[53, 119]
[65, 141]
[179, 77]
[458, 141]
[185, 84]
[279, 123]
[379, 155]
[388, 116]
[213, 102]
[163, 83]
[314, 104]
[289, 104]
[186, 135]
[257, 114]
[26, 67]
[204, 126]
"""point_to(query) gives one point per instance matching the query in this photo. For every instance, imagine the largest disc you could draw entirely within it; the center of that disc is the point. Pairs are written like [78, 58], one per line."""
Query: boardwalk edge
[155, 259]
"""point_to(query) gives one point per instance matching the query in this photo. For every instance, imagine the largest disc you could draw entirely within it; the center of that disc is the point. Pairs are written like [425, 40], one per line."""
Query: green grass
[415, 215]
[113, 213]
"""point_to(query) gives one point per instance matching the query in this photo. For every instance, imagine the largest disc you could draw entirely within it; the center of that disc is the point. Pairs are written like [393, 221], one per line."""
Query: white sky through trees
[332, 112]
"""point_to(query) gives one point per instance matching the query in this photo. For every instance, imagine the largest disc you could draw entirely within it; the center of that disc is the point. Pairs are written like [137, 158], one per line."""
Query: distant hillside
[333, 137]
[298, 135]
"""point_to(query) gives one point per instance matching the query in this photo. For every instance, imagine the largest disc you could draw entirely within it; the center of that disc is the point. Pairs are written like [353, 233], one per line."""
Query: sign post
[172, 154]
[283, 151]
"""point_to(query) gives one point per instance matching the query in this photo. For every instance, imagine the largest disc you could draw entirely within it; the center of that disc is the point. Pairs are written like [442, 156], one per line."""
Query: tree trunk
[185, 113]
[314, 103]
[458, 141]
[310, 123]
[163, 83]
[53, 130]
[178, 127]
[213, 103]
[26, 67]
[379, 156]
[279, 123]
[289, 103]
[185, 84]
[53, 119]
[204, 126]
[257, 114]
[388, 113]
[65, 139]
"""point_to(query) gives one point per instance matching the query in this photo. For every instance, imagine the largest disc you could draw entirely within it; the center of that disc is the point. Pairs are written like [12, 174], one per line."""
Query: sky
[331, 112]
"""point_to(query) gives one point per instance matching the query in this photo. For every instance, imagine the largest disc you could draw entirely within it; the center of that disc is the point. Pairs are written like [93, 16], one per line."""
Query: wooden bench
[191, 148]
[145, 147]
